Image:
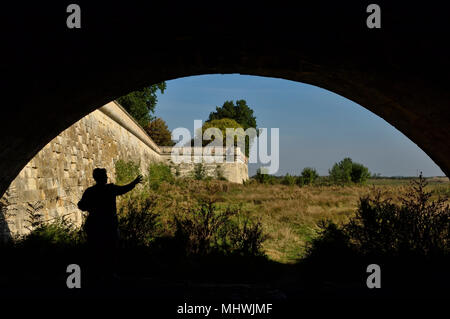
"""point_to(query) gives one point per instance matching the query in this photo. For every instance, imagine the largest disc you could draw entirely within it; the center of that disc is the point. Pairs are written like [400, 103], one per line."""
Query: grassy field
[289, 214]
[156, 254]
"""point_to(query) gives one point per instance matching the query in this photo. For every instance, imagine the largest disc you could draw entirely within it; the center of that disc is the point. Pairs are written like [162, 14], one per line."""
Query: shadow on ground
[41, 273]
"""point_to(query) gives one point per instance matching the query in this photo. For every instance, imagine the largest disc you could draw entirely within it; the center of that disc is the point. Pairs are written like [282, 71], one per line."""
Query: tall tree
[159, 132]
[222, 125]
[347, 171]
[240, 112]
[141, 103]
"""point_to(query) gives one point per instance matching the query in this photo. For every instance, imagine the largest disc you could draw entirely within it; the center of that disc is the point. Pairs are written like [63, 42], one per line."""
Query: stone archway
[53, 76]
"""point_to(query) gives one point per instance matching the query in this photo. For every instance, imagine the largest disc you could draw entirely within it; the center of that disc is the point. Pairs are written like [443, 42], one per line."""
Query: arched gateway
[53, 76]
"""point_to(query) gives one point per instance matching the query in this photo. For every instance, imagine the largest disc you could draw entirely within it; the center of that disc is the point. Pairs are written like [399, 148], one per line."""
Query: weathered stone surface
[235, 171]
[58, 175]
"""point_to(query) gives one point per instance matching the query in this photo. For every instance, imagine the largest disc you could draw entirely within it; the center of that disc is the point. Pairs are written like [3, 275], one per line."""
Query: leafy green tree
[159, 132]
[309, 175]
[347, 171]
[240, 112]
[340, 173]
[359, 173]
[222, 125]
[141, 103]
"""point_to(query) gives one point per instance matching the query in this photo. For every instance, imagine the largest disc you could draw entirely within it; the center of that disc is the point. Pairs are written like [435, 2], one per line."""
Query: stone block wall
[58, 175]
[52, 183]
[234, 170]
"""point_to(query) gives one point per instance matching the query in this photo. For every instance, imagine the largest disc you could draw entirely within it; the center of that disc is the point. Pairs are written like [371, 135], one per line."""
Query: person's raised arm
[119, 190]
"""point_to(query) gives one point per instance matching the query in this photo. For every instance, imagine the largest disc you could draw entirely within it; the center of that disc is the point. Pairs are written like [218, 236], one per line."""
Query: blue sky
[317, 127]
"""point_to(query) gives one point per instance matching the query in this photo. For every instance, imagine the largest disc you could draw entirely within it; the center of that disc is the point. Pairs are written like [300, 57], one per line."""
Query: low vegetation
[199, 227]
[346, 172]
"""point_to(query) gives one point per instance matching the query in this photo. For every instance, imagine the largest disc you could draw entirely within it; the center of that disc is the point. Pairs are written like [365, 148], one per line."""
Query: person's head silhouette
[100, 176]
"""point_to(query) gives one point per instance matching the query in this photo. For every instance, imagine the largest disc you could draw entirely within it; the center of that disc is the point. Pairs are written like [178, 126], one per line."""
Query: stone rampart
[52, 183]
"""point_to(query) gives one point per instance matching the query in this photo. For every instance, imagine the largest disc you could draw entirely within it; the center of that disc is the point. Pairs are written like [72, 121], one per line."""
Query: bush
[416, 227]
[209, 229]
[288, 180]
[247, 237]
[126, 171]
[138, 223]
[346, 171]
[59, 232]
[332, 242]
[159, 173]
[199, 172]
[261, 176]
[219, 173]
[309, 175]
[359, 173]
[300, 181]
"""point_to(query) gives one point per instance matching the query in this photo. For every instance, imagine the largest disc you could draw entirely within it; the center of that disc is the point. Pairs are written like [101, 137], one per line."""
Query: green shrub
[332, 242]
[346, 171]
[309, 175]
[59, 232]
[341, 172]
[219, 173]
[288, 180]
[262, 176]
[416, 227]
[247, 237]
[159, 173]
[138, 223]
[249, 182]
[199, 172]
[323, 181]
[177, 171]
[211, 229]
[359, 173]
[126, 171]
[300, 181]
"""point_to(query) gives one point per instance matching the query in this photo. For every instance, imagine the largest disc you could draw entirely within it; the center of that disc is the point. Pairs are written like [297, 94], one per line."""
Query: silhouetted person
[102, 224]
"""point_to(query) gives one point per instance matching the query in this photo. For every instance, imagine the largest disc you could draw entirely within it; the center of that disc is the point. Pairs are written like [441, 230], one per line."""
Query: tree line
[341, 173]
[141, 104]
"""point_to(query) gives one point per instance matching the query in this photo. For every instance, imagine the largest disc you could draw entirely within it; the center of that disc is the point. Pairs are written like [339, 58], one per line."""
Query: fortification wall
[52, 183]
[58, 175]
[233, 169]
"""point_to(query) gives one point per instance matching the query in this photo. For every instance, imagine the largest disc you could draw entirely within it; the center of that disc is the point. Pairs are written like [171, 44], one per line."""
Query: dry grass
[289, 214]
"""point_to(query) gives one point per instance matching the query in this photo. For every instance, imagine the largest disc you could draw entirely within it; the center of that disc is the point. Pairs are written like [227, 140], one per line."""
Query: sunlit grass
[289, 214]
